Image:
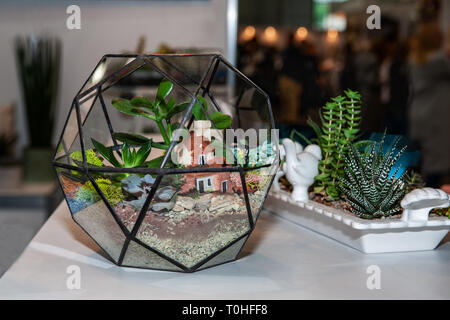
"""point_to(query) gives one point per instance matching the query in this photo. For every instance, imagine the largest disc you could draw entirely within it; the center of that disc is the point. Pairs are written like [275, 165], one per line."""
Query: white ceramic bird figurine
[280, 172]
[301, 168]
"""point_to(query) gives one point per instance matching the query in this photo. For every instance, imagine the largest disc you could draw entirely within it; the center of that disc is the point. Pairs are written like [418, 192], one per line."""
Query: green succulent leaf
[142, 154]
[164, 89]
[319, 189]
[130, 138]
[155, 163]
[142, 102]
[177, 109]
[107, 153]
[220, 120]
[127, 156]
[170, 104]
[332, 192]
[197, 109]
[125, 106]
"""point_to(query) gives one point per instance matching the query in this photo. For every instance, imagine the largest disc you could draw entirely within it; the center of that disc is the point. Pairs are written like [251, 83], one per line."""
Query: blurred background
[301, 53]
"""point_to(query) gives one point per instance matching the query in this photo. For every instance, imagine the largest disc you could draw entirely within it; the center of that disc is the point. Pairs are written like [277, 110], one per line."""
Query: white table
[280, 261]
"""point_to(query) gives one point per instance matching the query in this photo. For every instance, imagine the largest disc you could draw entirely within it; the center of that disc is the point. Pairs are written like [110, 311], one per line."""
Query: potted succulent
[195, 205]
[38, 65]
[360, 194]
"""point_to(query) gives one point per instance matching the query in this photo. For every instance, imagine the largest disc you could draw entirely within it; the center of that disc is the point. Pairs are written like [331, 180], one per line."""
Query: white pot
[368, 236]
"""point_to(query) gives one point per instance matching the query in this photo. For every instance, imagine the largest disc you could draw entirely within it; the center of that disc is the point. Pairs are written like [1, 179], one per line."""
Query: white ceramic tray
[368, 236]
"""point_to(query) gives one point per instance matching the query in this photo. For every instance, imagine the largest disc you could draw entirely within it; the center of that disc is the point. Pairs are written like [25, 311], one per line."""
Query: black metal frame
[203, 87]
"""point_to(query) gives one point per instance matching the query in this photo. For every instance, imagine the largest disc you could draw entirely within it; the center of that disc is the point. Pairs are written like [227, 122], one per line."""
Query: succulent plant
[339, 128]
[130, 157]
[369, 184]
[413, 181]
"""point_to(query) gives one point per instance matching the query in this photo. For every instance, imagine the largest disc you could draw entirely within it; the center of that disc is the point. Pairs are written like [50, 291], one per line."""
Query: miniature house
[196, 151]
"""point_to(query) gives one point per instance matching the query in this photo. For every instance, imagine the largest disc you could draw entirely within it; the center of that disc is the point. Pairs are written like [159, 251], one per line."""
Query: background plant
[368, 184]
[38, 63]
[338, 130]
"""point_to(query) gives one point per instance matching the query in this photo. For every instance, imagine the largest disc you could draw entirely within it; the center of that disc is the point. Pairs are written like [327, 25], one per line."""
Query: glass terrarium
[166, 160]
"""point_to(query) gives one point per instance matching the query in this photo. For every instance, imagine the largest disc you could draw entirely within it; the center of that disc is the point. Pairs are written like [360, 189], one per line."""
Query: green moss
[112, 192]
[85, 195]
[91, 157]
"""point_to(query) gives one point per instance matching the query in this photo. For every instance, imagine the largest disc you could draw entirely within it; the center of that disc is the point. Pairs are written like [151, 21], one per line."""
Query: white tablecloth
[281, 260]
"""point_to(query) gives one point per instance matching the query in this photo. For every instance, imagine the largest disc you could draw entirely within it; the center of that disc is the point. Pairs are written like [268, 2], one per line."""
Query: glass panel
[70, 141]
[140, 257]
[237, 97]
[114, 67]
[186, 70]
[258, 184]
[86, 104]
[72, 185]
[228, 254]
[89, 210]
[96, 127]
[99, 223]
[189, 219]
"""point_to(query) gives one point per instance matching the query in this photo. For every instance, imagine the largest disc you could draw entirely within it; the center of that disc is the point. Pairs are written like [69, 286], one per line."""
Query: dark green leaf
[155, 163]
[142, 102]
[107, 153]
[303, 137]
[125, 106]
[176, 109]
[170, 104]
[127, 157]
[142, 154]
[164, 88]
[220, 120]
[130, 138]
[198, 111]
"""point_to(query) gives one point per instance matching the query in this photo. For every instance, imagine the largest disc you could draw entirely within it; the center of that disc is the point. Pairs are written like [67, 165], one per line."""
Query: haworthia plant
[367, 184]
